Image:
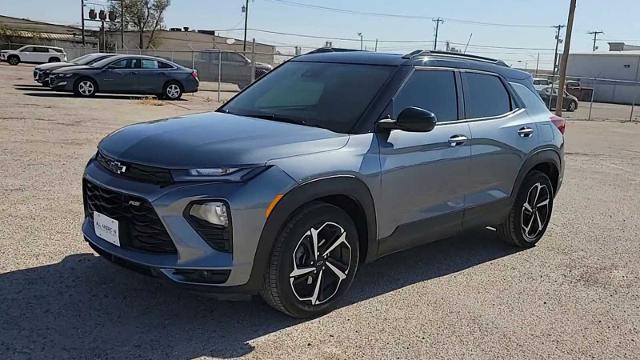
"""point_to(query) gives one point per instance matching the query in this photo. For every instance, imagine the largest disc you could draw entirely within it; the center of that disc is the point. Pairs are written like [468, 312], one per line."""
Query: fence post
[253, 60]
[219, 72]
[193, 60]
[593, 93]
[633, 105]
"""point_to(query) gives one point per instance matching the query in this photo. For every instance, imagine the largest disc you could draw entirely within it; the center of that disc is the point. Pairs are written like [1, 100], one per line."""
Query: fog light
[212, 212]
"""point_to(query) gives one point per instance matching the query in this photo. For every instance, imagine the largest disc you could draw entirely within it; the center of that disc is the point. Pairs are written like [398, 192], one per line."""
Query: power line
[402, 16]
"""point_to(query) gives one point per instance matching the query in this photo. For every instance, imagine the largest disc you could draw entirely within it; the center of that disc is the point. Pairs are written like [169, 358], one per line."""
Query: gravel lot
[576, 295]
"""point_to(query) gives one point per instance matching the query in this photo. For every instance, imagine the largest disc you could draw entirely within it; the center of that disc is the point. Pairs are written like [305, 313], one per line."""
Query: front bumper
[61, 84]
[231, 271]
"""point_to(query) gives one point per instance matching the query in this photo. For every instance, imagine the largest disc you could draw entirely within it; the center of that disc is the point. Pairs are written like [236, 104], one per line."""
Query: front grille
[137, 172]
[139, 226]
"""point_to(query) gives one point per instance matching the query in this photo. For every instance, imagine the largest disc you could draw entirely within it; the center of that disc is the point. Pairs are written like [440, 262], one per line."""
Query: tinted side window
[484, 96]
[164, 65]
[121, 64]
[149, 64]
[531, 100]
[27, 49]
[433, 90]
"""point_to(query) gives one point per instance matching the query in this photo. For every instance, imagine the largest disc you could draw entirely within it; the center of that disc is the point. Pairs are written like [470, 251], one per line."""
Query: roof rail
[415, 53]
[330, 49]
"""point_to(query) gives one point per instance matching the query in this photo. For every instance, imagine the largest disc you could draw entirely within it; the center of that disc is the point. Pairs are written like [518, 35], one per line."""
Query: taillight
[559, 122]
[194, 73]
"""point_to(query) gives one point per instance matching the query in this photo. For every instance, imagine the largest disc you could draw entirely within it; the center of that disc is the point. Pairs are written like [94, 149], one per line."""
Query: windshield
[88, 59]
[328, 95]
[103, 62]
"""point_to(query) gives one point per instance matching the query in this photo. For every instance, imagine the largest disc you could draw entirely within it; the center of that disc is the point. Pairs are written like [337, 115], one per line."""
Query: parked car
[127, 74]
[540, 83]
[235, 67]
[569, 102]
[34, 54]
[329, 161]
[42, 72]
[582, 93]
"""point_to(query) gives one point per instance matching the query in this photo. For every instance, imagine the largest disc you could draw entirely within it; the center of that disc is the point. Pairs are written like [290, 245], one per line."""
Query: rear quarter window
[532, 100]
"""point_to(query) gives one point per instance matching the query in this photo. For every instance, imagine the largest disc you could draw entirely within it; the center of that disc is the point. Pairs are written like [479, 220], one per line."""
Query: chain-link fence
[595, 98]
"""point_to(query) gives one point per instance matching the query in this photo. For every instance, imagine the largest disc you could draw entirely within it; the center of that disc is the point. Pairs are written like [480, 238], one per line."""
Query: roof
[437, 59]
[609, 53]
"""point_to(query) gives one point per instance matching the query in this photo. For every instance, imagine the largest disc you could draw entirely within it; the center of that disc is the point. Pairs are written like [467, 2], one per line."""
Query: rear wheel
[531, 212]
[85, 87]
[572, 106]
[54, 59]
[13, 60]
[313, 262]
[172, 91]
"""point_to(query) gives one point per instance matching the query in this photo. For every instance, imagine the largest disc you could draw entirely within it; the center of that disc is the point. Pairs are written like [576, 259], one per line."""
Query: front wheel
[13, 60]
[572, 106]
[529, 217]
[313, 261]
[85, 87]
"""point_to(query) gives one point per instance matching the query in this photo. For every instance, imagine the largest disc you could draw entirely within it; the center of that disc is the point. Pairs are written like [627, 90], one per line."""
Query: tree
[142, 16]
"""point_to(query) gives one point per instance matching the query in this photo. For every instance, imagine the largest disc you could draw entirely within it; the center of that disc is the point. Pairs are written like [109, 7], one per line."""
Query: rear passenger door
[151, 78]
[424, 175]
[502, 136]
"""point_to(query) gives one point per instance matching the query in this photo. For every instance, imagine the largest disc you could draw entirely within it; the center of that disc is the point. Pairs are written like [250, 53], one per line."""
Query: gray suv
[330, 161]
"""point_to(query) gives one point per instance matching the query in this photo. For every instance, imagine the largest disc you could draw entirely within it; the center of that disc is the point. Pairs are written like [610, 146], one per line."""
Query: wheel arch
[547, 161]
[347, 192]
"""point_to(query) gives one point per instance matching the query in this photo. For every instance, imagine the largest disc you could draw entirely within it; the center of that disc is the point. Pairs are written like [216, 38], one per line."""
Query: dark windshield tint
[484, 96]
[433, 90]
[328, 95]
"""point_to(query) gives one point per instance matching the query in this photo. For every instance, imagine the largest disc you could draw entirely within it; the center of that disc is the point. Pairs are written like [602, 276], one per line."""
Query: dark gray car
[329, 161]
[42, 72]
[127, 74]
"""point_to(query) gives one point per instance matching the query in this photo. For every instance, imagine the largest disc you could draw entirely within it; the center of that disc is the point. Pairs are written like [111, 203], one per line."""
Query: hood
[54, 66]
[68, 69]
[215, 140]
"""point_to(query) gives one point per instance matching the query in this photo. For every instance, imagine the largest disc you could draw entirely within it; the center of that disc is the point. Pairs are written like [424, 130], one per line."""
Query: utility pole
[555, 61]
[246, 18]
[555, 56]
[122, 24]
[437, 21]
[361, 41]
[82, 20]
[537, 64]
[565, 57]
[376, 47]
[595, 38]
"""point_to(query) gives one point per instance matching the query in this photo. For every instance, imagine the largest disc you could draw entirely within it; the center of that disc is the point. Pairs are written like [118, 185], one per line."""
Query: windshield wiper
[274, 117]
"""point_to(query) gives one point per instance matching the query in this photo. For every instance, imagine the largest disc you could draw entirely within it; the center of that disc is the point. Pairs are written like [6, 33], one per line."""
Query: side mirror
[412, 119]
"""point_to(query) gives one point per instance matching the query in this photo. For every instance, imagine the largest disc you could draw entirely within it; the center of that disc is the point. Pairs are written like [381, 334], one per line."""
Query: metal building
[614, 75]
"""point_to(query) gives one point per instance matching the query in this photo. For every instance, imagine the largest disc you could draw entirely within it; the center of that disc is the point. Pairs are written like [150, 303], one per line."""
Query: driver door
[424, 175]
[118, 76]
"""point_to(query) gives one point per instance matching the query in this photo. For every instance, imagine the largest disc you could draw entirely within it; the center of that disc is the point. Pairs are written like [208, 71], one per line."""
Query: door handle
[456, 140]
[525, 131]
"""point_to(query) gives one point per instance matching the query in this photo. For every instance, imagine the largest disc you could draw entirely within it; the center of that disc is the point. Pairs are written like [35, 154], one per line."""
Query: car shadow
[85, 307]
[52, 94]
[32, 88]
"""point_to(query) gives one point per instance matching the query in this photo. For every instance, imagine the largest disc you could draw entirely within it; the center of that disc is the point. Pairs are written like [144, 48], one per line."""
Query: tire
[85, 87]
[54, 59]
[172, 90]
[13, 60]
[299, 296]
[522, 227]
[572, 106]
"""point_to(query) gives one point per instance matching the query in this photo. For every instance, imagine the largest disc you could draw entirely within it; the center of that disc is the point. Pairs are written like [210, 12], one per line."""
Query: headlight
[212, 212]
[223, 174]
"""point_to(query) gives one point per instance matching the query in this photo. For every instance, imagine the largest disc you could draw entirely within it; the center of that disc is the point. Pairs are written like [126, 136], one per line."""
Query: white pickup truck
[34, 54]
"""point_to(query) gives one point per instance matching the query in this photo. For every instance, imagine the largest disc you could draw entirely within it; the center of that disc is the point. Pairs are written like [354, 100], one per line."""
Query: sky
[526, 28]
